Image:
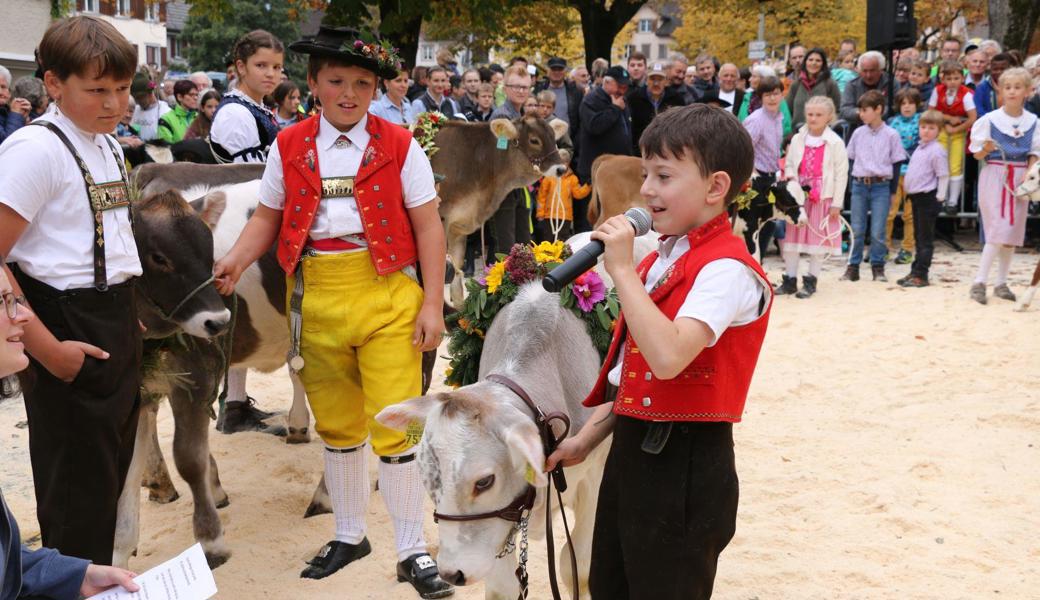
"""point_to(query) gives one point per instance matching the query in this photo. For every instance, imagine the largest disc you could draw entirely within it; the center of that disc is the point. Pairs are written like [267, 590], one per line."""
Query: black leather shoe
[420, 570]
[245, 416]
[851, 273]
[333, 557]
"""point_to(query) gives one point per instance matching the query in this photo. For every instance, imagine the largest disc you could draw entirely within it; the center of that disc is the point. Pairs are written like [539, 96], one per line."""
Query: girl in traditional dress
[816, 159]
[243, 128]
[1008, 141]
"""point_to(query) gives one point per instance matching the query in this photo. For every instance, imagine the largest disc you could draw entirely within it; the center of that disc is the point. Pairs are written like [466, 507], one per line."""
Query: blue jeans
[875, 198]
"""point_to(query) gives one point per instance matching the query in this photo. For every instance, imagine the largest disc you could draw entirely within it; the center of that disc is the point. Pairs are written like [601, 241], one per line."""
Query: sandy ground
[890, 449]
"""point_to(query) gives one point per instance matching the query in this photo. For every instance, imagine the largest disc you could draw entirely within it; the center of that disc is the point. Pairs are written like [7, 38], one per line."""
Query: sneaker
[978, 292]
[1003, 292]
[851, 273]
[878, 271]
[904, 258]
[913, 281]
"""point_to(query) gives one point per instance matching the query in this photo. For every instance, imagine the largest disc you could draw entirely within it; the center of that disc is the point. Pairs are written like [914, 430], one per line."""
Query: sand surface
[890, 449]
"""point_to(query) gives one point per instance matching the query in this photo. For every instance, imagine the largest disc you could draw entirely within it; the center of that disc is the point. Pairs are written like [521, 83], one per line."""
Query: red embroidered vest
[377, 191]
[714, 386]
[955, 109]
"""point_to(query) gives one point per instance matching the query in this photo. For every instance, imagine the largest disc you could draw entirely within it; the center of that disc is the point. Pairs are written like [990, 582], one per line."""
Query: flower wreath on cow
[587, 297]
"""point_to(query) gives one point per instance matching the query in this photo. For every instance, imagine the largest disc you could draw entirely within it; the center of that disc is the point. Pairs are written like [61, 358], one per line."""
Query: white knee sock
[791, 263]
[1004, 263]
[401, 487]
[346, 476]
[989, 252]
[815, 264]
[953, 197]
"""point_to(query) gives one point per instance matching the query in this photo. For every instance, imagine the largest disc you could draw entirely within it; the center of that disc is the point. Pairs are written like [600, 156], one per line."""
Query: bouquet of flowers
[425, 129]
[587, 297]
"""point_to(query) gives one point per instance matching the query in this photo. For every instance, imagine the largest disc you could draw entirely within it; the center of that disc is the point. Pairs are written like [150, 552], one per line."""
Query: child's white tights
[791, 264]
[1003, 256]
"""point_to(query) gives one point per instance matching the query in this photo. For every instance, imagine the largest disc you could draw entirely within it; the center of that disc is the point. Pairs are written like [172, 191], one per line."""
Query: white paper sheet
[186, 577]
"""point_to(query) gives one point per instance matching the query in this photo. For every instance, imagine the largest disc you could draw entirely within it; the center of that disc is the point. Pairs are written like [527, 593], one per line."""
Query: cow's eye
[536, 142]
[160, 260]
[483, 484]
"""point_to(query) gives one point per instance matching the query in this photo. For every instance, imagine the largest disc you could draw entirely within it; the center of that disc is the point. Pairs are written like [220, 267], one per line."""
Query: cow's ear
[559, 127]
[403, 414]
[796, 192]
[525, 449]
[213, 205]
[504, 128]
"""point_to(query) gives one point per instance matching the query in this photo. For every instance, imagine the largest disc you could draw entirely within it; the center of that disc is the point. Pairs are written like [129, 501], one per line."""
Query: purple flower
[358, 44]
[588, 289]
[482, 278]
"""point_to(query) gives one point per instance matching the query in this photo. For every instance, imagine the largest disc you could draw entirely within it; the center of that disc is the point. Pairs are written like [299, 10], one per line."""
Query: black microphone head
[640, 220]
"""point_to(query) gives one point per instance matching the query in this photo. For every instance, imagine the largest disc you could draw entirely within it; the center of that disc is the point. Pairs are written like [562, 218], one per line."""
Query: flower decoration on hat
[381, 51]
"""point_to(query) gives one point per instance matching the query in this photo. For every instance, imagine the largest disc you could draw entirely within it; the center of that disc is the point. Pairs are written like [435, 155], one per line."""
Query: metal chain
[521, 570]
[510, 544]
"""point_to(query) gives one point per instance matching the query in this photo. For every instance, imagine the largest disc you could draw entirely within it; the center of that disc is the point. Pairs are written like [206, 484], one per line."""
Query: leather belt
[872, 180]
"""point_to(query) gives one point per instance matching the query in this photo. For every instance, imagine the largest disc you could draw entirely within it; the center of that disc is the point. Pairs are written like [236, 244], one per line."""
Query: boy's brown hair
[931, 117]
[767, 85]
[486, 88]
[546, 96]
[710, 137]
[87, 47]
[908, 94]
[871, 99]
[950, 66]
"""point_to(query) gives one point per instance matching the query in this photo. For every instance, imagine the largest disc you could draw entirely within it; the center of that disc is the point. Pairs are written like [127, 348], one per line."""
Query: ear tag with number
[503, 143]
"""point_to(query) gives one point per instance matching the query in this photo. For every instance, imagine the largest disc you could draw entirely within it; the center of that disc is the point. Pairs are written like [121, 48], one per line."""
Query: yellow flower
[546, 252]
[495, 275]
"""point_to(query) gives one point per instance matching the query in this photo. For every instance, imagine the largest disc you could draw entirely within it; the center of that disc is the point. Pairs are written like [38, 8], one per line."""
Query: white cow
[481, 446]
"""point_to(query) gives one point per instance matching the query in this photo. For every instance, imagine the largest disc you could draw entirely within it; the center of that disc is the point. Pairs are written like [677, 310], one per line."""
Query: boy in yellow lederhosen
[350, 200]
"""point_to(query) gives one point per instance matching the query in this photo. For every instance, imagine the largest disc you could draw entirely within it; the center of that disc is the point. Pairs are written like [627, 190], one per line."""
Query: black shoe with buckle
[334, 556]
[243, 415]
[420, 570]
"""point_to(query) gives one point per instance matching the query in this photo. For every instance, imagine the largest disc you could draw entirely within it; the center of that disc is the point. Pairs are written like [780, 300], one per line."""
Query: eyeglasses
[12, 302]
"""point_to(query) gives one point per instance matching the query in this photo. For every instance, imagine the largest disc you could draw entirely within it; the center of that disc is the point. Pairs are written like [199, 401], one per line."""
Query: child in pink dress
[816, 159]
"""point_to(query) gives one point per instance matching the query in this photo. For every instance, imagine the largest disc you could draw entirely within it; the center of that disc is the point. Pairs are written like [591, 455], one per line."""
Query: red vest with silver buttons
[714, 386]
[377, 191]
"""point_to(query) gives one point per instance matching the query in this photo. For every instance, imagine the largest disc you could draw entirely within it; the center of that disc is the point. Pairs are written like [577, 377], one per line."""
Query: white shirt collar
[672, 243]
[328, 134]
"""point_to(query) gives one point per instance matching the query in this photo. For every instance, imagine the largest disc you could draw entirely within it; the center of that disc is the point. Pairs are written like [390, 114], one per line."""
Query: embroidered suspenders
[102, 198]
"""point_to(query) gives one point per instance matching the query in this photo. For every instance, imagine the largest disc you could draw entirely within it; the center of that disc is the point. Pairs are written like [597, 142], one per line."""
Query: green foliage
[213, 27]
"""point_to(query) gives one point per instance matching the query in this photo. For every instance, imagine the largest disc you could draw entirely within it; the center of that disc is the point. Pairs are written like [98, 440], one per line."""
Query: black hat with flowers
[353, 47]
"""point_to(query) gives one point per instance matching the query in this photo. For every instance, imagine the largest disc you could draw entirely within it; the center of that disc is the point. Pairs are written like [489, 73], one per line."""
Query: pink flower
[358, 44]
[588, 289]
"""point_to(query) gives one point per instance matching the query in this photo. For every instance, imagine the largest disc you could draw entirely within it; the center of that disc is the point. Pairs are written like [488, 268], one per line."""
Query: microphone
[585, 259]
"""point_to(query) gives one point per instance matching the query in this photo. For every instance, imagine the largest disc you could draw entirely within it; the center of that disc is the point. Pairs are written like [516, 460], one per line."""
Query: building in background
[21, 29]
[142, 22]
[176, 52]
[655, 23]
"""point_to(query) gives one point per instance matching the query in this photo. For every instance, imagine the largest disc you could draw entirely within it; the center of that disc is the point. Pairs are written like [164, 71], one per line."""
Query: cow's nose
[560, 170]
[216, 326]
[456, 578]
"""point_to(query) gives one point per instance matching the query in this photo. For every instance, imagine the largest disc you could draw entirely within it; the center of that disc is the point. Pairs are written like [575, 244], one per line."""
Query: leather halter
[516, 510]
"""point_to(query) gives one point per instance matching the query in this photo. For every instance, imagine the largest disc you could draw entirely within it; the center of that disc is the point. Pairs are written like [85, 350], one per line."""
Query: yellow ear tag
[529, 474]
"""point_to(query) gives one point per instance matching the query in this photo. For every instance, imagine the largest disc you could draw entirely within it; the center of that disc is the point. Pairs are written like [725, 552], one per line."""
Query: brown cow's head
[536, 139]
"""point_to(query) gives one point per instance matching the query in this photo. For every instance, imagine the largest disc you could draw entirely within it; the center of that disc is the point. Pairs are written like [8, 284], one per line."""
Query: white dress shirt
[234, 128]
[42, 183]
[147, 120]
[337, 217]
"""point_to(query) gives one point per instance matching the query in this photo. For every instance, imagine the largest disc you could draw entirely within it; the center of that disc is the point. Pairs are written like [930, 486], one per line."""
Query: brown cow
[616, 180]
[478, 174]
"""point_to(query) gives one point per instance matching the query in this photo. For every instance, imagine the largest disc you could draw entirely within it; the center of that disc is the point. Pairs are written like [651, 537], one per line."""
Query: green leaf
[613, 307]
[601, 313]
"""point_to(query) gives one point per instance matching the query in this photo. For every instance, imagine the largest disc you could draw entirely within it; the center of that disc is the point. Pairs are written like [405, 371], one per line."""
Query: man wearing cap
[348, 200]
[647, 102]
[568, 95]
[605, 127]
[149, 108]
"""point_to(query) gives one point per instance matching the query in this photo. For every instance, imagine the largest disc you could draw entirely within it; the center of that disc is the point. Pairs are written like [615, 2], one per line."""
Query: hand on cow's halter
[429, 327]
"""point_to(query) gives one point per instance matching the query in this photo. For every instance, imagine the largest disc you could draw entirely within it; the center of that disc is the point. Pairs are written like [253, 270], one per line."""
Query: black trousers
[663, 519]
[512, 222]
[81, 434]
[925, 207]
[543, 229]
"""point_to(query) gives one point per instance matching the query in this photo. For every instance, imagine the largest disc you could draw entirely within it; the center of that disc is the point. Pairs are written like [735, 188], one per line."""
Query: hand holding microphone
[583, 260]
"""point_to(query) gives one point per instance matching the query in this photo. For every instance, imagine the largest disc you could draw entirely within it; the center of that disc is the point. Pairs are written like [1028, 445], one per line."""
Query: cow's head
[478, 454]
[536, 139]
[176, 249]
[1029, 189]
[788, 200]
